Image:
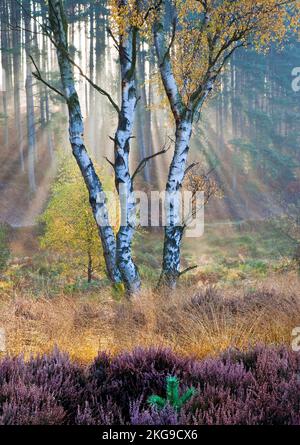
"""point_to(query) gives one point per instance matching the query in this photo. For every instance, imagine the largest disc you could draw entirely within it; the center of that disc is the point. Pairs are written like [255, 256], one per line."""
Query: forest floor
[88, 356]
[195, 320]
[246, 291]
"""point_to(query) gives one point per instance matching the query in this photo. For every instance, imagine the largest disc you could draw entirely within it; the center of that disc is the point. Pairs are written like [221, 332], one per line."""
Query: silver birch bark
[59, 29]
[183, 116]
[183, 121]
[124, 184]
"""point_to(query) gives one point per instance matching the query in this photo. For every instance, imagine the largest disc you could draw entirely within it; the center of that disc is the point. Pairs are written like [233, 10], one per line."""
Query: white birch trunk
[123, 178]
[93, 184]
[183, 119]
[174, 232]
[183, 116]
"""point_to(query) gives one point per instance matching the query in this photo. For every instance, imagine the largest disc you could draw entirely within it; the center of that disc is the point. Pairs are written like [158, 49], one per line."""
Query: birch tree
[59, 36]
[126, 43]
[204, 36]
[118, 251]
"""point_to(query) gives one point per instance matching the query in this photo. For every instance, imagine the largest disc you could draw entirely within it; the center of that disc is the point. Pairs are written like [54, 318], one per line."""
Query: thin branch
[144, 161]
[110, 162]
[152, 8]
[67, 55]
[190, 167]
[117, 45]
[188, 269]
[37, 75]
[93, 84]
[167, 53]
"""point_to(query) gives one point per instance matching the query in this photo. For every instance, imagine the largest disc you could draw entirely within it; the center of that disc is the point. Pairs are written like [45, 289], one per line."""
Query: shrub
[44, 390]
[173, 398]
[69, 226]
[259, 386]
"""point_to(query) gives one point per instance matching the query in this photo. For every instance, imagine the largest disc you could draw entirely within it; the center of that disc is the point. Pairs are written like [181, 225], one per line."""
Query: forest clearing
[149, 212]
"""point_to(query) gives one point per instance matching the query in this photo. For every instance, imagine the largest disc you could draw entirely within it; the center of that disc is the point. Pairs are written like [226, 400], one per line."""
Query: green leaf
[157, 401]
[186, 397]
[172, 390]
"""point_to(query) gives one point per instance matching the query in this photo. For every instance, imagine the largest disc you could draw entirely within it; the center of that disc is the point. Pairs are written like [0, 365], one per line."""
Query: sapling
[173, 398]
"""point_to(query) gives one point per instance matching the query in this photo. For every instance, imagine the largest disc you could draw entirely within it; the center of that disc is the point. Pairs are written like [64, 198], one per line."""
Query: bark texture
[183, 114]
[183, 120]
[123, 179]
[59, 28]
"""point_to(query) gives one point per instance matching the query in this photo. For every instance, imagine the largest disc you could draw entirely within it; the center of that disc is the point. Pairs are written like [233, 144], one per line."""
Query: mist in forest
[247, 135]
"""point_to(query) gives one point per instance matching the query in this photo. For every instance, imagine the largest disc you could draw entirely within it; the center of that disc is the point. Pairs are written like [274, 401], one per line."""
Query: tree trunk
[90, 268]
[123, 179]
[183, 119]
[5, 69]
[91, 108]
[141, 121]
[16, 42]
[174, 229]
[183, 116]
[31, 137]
[98, 203]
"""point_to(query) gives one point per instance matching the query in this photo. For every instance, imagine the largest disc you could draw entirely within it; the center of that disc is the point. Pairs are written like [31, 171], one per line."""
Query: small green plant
[173, 398]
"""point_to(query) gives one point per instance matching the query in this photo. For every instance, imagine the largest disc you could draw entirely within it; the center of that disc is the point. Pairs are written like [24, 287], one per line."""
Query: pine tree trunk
[31, 137]
[5, 69]
[142, 114]
[16, 42]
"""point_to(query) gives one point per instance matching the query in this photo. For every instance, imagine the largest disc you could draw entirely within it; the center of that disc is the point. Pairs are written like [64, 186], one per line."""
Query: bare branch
[167, 53]
[190, 167]
[117, 45]
[37, 75]
[144, 161]
[93, 84]
[110, 162]
[188, 269]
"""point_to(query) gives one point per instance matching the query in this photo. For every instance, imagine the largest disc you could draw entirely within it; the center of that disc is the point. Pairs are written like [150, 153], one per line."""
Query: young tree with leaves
[128, 18]
[70, 228]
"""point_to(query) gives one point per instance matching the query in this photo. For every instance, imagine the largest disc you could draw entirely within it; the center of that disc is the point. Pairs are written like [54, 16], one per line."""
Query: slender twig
[110, 162]
[39, 77]
[117, 45]
[167, 53]
[188, 269]
[81, 72]
[190, 167]
[93, 84]
[144, 161]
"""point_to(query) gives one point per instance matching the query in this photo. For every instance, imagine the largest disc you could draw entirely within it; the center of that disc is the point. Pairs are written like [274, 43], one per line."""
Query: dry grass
[194, 321]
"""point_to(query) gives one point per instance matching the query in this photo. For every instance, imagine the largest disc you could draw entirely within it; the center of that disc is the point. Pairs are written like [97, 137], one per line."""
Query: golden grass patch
[192, 321]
